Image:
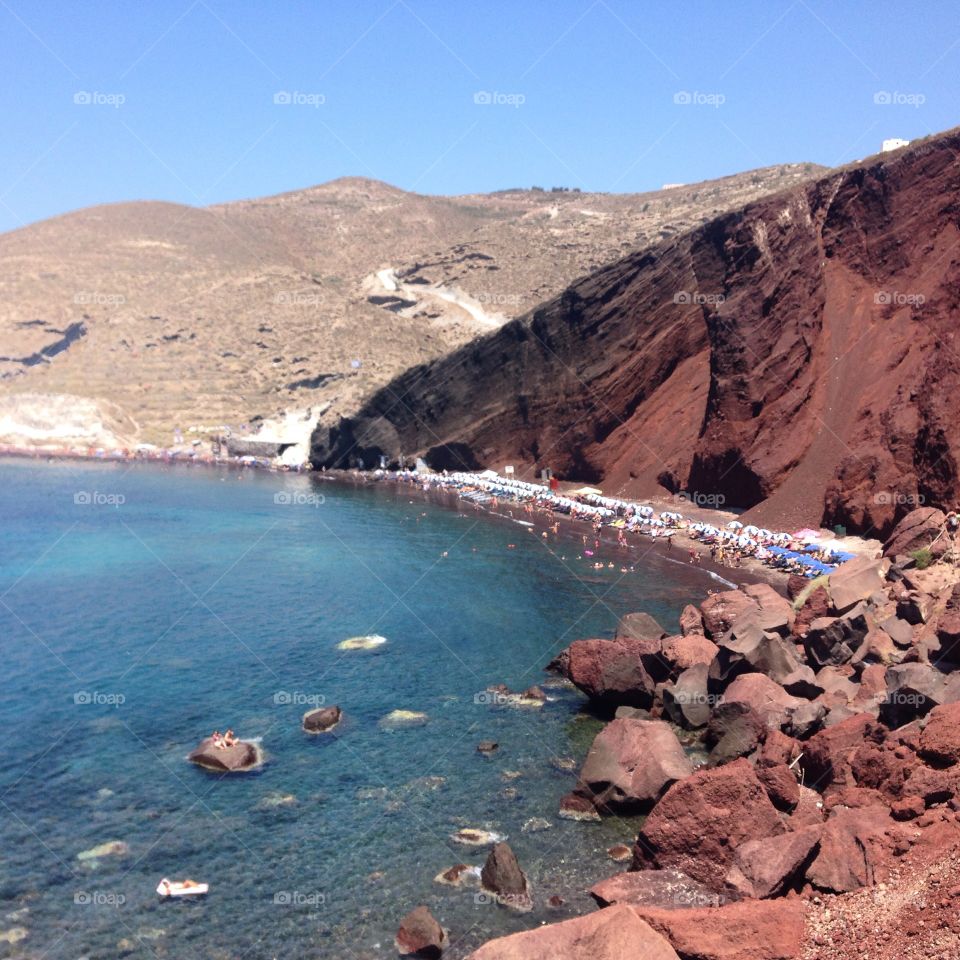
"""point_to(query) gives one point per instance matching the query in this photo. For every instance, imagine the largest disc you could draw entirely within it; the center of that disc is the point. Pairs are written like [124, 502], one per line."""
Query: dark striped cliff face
[800, 357]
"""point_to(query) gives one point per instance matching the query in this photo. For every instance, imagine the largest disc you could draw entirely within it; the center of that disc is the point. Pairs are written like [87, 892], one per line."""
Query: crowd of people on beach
[729, 545]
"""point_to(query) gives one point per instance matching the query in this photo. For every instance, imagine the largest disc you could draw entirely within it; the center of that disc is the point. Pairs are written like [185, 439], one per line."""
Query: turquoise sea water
[142, 607]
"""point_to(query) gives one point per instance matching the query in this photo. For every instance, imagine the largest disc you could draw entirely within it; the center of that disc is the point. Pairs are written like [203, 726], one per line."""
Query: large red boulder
[239, 758]
[918, 529]
[828, 755]
[700, 821]
[611, 671]
[751, 930]
[420, 935]
[683, 652]
[631, 764]
[940, 740]
[851, 843]
[722, 610]
[770, 867]
[611, 934]
[767, 699]
[856, 580]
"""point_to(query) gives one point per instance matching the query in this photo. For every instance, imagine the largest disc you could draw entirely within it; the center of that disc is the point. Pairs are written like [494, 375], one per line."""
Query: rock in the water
[611, 672]
[460, 874]
[615, 933]
[631, 763]
[573, 806]
[112, 848]
[488, 747]
[370, 642]
[420, 935]
[752, 930]
[700, 821]
[501, 875]
[402, 718]
[471, 837]
[620, 853]
[667, 889]
[322, 720]
[239, 758]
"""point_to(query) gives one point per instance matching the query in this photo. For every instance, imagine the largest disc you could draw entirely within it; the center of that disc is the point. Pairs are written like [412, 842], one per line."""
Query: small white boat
[181, 888]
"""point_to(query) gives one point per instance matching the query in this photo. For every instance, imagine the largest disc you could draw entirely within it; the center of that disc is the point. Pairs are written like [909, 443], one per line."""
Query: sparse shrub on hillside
[922, 558]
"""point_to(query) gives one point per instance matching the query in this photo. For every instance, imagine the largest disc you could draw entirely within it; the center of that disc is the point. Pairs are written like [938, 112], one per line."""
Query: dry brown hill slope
[137, 318]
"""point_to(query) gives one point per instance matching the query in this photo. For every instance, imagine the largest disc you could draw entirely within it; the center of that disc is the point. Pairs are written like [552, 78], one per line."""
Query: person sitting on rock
[229, 740]
[217, 738]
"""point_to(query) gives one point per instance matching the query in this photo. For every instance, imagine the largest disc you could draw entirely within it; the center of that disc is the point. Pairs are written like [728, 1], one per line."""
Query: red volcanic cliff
[797, 357]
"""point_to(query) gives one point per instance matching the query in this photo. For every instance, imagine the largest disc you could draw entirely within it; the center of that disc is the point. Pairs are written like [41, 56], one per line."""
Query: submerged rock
[112, 848]
[370, 642]
[459, 875]
[403, 718]
[476, 838]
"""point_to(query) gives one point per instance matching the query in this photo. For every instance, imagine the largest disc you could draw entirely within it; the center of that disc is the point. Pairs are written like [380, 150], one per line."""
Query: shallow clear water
[132, 629]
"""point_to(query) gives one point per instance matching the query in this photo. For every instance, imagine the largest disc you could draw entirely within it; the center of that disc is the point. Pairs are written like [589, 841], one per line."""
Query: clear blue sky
[180, 94]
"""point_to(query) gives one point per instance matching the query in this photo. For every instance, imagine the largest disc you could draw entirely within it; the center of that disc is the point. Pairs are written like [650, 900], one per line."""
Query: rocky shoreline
[825, 820]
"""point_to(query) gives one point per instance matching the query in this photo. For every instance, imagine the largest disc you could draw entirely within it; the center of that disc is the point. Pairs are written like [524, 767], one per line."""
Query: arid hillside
[144, 317]
[797, 356]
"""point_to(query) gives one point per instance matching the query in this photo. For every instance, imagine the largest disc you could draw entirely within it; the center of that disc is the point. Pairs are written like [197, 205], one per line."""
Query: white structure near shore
[894, 143]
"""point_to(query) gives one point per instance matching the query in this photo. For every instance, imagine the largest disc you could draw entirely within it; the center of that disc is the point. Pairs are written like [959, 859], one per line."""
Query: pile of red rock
[831, 725]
